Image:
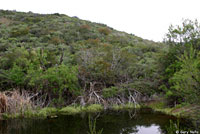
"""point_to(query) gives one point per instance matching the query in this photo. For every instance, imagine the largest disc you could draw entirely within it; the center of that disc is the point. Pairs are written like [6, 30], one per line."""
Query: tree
[185, 35]
[187, 80]
[181, 62]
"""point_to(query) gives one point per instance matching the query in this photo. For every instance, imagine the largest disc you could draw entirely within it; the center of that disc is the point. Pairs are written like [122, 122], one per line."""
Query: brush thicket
[14, 102]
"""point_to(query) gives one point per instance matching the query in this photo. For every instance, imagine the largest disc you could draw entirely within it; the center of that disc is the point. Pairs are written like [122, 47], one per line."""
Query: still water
[144, 121]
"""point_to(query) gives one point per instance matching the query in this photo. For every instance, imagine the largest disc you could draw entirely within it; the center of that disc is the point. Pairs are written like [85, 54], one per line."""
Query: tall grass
[92, 127]
[173, 127]
[15, 102]
[3, 103]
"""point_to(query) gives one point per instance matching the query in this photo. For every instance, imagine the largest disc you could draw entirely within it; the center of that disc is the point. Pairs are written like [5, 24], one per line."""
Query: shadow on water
[145, 121]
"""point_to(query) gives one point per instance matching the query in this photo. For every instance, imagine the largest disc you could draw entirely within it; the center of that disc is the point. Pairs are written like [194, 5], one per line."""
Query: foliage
[47, 111]
[56, 78]
[94, 108]
[63, 57]
[181, 65]
[20, 30]
[187, 34]
[173, 127]
[104, 31]
[69, 110]
[110, 92]
[187, 79]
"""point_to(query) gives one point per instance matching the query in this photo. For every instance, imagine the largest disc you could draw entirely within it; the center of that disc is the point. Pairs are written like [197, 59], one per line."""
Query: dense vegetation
[64, 60]
[182, 63]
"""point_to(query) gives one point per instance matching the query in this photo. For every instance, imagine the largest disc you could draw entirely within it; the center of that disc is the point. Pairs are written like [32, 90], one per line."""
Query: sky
[149, 19]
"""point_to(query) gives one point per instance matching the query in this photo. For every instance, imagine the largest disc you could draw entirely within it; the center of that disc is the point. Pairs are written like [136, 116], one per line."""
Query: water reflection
[153, 129]
[144, 122]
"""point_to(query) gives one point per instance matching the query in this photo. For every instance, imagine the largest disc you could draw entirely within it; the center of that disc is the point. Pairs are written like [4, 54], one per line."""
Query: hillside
[70, 60]
[59, 28]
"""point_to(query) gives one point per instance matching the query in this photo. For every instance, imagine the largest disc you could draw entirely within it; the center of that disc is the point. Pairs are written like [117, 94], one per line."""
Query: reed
[3, 103]
[15, 102]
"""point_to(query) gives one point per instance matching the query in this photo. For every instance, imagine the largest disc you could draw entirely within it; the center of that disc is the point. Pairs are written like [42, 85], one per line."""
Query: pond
[143, 121]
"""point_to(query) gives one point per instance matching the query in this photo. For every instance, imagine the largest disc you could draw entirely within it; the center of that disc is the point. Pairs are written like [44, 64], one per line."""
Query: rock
[52, 116]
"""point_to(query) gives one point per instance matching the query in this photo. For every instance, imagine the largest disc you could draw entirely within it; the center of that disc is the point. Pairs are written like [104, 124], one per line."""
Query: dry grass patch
[15, 102]
[3, 103]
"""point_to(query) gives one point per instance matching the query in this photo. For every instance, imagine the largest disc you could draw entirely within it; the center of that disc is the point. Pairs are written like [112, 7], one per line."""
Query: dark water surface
[145, 121]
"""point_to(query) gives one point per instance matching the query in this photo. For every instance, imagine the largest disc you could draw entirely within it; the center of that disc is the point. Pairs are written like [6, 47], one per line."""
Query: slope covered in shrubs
[65, 60]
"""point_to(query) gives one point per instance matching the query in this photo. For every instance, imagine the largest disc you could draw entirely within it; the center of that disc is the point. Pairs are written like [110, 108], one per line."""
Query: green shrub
[104, 31]
[187, 80]
[47, 111]
[16, 75]
[84, 28]
[20, 30]
[69, 110]
[94, 108]
[110, 92]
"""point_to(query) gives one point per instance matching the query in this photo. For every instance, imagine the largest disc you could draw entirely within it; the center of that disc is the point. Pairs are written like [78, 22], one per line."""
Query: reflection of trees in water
[14, 126]
[3, 127]
[111, 122]
[62, 125]
[121, 123]
[129, 130]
